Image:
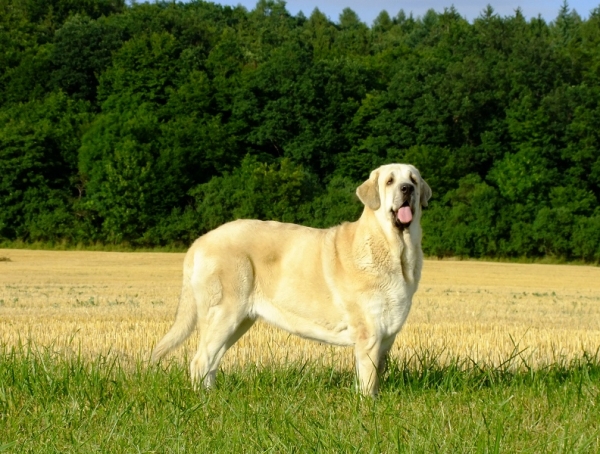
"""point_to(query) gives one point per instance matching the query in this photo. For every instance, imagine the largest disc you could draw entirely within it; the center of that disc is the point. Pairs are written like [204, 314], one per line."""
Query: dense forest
[150, 124]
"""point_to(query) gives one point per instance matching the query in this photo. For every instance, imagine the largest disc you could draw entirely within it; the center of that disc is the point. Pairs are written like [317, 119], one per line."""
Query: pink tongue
[404, 215]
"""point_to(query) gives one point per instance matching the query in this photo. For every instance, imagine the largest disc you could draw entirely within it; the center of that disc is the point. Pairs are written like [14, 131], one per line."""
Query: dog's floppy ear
[368, 192]
[425, 193]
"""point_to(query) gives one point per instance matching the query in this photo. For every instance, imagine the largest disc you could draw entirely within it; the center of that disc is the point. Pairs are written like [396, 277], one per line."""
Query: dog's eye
[390, 181]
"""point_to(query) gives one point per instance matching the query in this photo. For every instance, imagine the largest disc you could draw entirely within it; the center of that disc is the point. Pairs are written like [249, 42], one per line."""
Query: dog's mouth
[403, 216]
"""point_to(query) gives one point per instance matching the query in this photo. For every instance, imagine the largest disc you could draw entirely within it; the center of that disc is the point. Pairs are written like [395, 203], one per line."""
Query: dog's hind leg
[218, 332]
[223, 317]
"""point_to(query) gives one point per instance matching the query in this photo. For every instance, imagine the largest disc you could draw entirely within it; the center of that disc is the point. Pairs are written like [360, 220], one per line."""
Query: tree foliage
[153, 123]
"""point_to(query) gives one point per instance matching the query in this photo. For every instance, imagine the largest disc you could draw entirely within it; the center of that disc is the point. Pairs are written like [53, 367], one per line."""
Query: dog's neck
[400, 249]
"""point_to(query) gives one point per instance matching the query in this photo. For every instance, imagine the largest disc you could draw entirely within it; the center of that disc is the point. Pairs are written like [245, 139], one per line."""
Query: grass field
[495, 357]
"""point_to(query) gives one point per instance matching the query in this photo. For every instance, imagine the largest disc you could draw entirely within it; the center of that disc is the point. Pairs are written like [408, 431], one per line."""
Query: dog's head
[396, 191]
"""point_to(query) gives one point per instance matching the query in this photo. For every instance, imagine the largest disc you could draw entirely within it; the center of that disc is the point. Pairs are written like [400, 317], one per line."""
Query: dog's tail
[185, 322]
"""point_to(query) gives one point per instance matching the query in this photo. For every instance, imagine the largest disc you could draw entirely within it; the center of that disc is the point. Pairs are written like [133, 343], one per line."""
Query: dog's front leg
[386, 345]
[368, 352]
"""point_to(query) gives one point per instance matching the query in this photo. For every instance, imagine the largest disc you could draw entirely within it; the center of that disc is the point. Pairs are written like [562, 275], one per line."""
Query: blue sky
[368, 10]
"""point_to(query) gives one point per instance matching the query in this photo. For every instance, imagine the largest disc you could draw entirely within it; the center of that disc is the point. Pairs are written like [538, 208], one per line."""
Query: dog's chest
[390, 309]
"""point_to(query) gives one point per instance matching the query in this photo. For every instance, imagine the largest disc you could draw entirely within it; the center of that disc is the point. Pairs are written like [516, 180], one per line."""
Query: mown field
[122, 303]
[495, 357]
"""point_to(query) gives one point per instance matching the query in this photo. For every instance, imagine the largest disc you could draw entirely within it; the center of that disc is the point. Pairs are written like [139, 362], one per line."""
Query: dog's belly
[310, 325]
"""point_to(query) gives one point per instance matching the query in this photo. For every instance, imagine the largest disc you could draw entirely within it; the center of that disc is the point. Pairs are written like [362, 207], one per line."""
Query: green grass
[54, 403]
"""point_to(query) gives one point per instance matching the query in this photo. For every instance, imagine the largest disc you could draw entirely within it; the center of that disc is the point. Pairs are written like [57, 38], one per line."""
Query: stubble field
[122, 303]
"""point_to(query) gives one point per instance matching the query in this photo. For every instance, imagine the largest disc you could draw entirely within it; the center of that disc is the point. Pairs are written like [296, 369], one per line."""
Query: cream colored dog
[347, 285]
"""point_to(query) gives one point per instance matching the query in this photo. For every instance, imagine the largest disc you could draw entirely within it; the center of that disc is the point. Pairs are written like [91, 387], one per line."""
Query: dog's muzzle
[403, 215]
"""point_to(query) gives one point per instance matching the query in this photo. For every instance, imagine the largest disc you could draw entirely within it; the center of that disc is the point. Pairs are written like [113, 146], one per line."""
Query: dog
[349, 285]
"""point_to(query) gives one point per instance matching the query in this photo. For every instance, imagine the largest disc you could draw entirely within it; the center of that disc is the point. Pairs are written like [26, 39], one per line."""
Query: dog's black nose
[407, 189]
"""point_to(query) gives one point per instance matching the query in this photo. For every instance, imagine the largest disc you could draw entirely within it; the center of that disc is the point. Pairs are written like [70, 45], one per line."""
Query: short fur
[347, 285]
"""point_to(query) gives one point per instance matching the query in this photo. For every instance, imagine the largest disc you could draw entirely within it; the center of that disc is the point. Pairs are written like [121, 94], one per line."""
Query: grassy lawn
[520, 383]
[53, 403]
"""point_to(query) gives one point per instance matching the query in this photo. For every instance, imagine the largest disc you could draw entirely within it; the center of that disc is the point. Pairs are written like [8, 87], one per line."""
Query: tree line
[150, 124]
